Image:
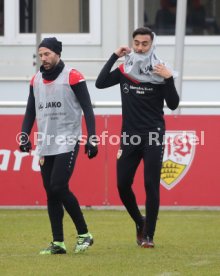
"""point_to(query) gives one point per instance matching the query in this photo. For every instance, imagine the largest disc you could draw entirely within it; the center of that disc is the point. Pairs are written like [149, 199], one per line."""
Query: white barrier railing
[93, 78]
[112, 104]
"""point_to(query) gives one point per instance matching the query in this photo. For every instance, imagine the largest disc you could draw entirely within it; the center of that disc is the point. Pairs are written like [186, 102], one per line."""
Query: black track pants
[152, 155]
[56, 172]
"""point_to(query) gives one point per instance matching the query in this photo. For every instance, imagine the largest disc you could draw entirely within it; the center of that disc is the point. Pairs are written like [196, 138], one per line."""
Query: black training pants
[56, 171]
[151, 152]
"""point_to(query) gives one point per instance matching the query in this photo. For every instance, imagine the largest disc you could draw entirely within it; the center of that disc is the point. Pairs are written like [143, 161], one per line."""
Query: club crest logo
[119, 153]
[125, 88]
[41, 161]
[178, 156]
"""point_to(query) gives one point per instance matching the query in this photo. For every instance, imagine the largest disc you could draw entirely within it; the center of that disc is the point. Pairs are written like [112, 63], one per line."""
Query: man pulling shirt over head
[145, 82]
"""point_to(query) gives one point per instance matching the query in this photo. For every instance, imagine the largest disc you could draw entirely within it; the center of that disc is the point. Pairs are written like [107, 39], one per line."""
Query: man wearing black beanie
[57, 97]
[53, 44]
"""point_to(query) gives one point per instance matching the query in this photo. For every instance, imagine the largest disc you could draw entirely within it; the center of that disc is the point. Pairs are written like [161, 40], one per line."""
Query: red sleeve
[122, 70]
[32, 81]
[75, 77]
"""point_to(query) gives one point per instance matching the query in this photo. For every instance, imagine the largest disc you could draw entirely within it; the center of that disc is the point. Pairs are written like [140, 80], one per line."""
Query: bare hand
[122, 51]
[161, 70]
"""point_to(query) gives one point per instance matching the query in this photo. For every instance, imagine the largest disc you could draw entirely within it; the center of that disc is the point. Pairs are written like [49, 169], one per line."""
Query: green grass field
[187, 243]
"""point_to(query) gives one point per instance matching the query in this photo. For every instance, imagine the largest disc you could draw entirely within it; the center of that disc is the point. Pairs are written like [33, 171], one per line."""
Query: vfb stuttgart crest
[178, 156]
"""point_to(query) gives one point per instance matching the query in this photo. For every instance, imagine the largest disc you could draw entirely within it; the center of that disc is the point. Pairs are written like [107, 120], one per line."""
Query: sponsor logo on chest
[141, 90]
[49, 105]
[53, 104]
[136, 89]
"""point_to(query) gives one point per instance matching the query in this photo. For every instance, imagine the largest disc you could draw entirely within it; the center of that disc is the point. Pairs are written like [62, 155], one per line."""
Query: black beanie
[51, 43]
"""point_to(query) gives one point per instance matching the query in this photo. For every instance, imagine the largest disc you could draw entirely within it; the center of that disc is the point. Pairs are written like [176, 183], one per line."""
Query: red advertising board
[189, 175]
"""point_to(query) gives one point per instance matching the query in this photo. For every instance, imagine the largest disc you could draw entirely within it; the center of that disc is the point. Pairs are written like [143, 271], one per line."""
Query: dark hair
[143, 31]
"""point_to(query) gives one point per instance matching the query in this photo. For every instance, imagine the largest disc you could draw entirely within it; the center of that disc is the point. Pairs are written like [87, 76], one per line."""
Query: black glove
[91, 149]
[25, 144]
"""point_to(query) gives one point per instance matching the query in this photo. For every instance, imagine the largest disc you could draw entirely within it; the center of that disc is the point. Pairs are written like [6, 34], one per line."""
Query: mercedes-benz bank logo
[125, 88]
[40, 106]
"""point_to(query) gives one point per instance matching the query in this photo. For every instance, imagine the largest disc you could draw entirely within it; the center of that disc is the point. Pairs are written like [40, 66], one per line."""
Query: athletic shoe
[139, 232]
[147, 243]
[54, 248]
[83, 242]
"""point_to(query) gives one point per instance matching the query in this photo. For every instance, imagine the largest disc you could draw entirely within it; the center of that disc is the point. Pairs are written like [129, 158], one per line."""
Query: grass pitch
[187, 243]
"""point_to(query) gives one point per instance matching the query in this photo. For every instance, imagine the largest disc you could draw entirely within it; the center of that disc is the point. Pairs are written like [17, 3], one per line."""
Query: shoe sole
[50, 253]
[145, 245]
